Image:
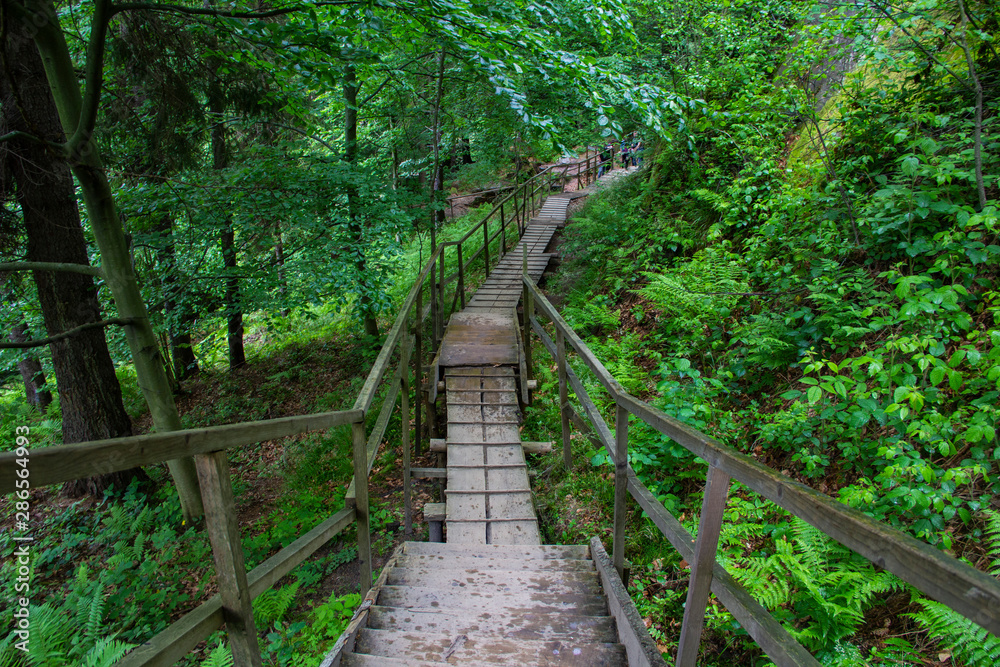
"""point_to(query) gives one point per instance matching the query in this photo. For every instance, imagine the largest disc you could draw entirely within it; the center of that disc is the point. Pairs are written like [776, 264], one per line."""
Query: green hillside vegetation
[805, 267]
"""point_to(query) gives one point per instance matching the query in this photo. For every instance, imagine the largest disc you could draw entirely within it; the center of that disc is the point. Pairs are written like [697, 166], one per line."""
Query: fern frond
[95, 619]
[221, 656]
[271, 606]
[993, 535]
[969, 642]
[106, 652]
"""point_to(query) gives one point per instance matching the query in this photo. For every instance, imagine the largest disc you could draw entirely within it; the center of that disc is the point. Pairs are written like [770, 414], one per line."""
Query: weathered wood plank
[54, 465]
[632, 632]
[227, 551]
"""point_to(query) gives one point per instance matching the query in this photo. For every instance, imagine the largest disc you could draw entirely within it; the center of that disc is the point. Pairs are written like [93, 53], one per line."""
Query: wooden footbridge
[484, 591]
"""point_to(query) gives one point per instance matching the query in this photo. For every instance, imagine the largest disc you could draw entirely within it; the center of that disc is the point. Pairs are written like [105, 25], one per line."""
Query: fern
[969, 642]
[993, 535]
[95, 616]
[106, 652]
[221, 656]
[271, 606]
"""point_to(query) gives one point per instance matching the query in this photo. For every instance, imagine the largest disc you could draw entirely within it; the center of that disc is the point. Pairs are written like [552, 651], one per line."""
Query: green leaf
[974, 434]
[954, 380]
[814, 394]
[937, 374]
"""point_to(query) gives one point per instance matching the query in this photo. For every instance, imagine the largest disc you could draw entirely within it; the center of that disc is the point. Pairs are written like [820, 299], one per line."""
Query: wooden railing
[961, 587]
[405, 344]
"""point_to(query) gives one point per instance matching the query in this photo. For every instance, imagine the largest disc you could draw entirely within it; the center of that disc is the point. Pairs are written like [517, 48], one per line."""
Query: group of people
[630, 154]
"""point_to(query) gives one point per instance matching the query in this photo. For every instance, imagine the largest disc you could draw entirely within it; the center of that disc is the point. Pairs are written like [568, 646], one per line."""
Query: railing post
[621, 489]
[529, 312]
[440, 333]
[486, 245]
[461, 276]
[563, 398]
[361, 503]
[404, 423]
[712, 509]
[503, 235]
[227, 550]
[418, 368]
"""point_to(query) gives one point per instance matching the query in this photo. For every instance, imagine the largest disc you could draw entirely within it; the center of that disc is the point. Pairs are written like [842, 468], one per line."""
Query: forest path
[493, 594]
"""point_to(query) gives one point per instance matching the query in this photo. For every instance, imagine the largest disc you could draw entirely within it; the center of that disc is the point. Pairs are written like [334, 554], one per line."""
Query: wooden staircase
[486, 604]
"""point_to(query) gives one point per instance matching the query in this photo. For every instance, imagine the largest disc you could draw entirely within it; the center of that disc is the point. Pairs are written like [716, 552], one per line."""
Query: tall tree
[89, 394]
[78, 117]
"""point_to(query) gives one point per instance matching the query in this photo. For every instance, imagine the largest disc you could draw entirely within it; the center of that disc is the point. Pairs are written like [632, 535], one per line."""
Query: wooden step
[495, 563]
[553, 582]
[514, 626]
[461, 649]
[487, 551]
[490, 599]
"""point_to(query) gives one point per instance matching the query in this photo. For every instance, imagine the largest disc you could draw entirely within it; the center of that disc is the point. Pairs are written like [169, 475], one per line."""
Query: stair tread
[494, 563]
[514, 626]
[491, 599]
[460, 649]
[544, 551]
[546, 581]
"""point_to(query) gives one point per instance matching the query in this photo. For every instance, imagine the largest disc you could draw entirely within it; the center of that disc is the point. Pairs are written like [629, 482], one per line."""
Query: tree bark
[31, 372]
[178, 317]
[78, 120]
[351, 88]
[231, 296]
[90, 397]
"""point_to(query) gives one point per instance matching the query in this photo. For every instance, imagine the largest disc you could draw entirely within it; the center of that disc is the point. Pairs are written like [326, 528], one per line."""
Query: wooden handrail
[961, 587]
[64, 463]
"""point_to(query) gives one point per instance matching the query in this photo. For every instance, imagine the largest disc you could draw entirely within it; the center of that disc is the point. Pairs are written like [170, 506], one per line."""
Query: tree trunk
[353, 198]
[90, 397]
[220, 160]
[105, 223]
[279, 260]
[31, 372]
[176, 315]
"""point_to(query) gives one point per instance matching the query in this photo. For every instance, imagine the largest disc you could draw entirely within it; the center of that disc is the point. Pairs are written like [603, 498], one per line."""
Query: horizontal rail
[970, 592]
[64, 463]
[179, 638]
[769, 634]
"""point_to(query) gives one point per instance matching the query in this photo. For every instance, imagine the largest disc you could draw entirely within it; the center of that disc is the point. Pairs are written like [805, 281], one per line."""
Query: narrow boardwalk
[492, 595]
[488, 495]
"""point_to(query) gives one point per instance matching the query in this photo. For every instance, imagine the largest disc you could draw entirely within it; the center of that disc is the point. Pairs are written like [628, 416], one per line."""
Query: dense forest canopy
[805, 268]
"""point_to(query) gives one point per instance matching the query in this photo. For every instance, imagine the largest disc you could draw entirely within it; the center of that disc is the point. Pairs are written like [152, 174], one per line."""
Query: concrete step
[462, 649]
[510, 626]
[552, 582]
[543, 551]
[477, 599]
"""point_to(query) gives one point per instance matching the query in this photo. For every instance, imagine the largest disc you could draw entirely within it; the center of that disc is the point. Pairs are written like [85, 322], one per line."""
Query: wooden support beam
[440, 445]
[227, 551]
[709, 527]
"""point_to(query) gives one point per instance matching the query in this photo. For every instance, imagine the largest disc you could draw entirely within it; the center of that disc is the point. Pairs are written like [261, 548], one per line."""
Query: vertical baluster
[486, 244]
[621, 488]
[404, 419]
[227, 550]
[440, 333]
[529, 311]
[418, 368]
[361, 502]
[461, 276]
[563, 398]
[712, 510]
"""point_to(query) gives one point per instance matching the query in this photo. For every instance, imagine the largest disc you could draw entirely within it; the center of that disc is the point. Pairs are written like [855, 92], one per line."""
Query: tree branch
[103, 12]
[233, 14]
[66, 334]
[977, 135]
[85, 269]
